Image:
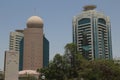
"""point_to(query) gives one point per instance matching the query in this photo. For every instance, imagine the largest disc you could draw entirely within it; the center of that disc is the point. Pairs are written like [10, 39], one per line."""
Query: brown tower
[33, 44]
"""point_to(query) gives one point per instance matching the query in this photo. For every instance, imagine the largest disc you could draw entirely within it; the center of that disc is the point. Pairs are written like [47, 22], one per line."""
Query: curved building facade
[92, 34]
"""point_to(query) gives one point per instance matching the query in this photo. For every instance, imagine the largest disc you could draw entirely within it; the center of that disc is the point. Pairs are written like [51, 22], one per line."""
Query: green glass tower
[92, 34]
[45, 52]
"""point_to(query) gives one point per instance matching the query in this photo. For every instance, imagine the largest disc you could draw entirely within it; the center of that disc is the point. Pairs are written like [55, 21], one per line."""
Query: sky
[57, 16]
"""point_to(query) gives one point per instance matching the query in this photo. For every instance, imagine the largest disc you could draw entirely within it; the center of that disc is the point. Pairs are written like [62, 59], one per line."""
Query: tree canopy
[73, 65]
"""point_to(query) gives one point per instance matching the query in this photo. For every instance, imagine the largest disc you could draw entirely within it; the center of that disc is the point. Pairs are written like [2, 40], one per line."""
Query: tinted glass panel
[84, 21]
[100, 20]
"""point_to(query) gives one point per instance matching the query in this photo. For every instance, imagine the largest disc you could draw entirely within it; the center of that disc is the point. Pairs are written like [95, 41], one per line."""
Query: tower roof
[89, 7]
[34, 22]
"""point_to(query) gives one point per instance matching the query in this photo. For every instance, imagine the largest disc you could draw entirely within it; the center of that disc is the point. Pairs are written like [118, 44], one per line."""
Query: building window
[84, 21]
[102, 21]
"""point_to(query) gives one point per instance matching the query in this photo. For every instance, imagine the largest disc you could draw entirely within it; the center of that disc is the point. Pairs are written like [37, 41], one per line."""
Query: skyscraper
[31, 44]
[34, 56]
[15, 40]
[16, 44]
[92, 34]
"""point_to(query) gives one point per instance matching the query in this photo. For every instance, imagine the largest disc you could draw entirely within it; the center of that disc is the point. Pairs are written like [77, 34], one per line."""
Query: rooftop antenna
[35, 11]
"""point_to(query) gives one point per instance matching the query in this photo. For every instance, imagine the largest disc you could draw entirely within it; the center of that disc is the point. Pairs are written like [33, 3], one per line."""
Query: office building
[11, 63]
[92, 34]
[16, 44]
[117, 60]
[34, 43]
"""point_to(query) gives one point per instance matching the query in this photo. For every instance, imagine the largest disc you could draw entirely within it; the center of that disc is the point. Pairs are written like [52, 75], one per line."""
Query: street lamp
[43, 77]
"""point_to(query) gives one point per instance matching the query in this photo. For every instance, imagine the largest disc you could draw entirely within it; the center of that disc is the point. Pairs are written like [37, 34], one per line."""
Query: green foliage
[72, 65]
[104, 70]
[28, 77]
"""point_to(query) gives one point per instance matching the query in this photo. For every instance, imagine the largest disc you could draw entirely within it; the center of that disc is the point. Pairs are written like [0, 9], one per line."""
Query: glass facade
[45, 52]
[102, 21]
[84, 21]
[21, 54]
[92, 35]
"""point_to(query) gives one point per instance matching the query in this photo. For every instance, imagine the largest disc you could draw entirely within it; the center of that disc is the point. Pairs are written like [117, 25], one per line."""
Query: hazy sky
[57, 16]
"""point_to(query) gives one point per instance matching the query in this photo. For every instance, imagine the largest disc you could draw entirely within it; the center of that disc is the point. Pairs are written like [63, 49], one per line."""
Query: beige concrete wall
[11, 65]
[33, 48]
